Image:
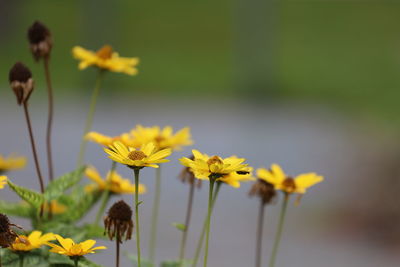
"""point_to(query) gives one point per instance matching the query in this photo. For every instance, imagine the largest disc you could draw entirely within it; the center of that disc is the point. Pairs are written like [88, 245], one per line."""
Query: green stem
[21, 260]
[279, 231]
[210, 200]
[76, 260]
[89, 118]
[187, 222]
[136, 171]
[203, 231]
[260, 225]
[49, 117]
[154, 216]
[105, 197]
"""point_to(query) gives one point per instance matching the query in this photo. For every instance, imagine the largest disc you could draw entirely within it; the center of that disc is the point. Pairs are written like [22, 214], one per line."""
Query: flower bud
[21, 82]
[40, 40]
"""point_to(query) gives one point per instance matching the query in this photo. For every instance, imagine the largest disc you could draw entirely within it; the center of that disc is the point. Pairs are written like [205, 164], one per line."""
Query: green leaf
[143, 262]
[57, 187]
[140, 202]
[179, 226]
[81, 207]
[34, 198]
[176, 263]
[16, 209]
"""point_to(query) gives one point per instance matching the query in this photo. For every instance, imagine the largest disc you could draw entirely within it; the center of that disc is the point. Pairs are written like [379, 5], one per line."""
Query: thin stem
[105, 197]
[279, 231]
[49, 118]
[35, 156]
[89, 119]
[210, 200]
[117, 249]
[187, 222]
[21, 260]
[260, 233]
[203, 230]
[154, 216]
[136, 171]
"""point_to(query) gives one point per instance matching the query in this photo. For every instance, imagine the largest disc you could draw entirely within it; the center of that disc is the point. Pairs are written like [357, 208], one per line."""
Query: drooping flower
[105, 140]
[105, 58]
[70, 248]
[113, 183]
[205, 167]
[33, 241]
[11, 163]
[299, 184]
[146, 156]
[162, 138]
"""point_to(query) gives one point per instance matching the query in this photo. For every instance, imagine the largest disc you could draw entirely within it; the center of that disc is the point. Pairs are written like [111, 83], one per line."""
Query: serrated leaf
[23, 210]
[179, 226]
[57, 187]
[34, 198]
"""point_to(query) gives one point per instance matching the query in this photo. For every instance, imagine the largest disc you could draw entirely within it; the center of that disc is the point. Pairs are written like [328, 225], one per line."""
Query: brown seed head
[40, 40]
[7, 235]
[136, 155]
[264, 190]
[105, 52]
[118, 224]
[21, 82]
[4, 223]
[120, 211]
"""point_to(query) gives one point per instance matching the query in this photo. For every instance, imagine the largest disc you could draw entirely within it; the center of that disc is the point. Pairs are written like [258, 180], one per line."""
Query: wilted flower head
[7, 235]
[105, 58]
[205, 167]
[21, 82]
[162, 138]
[33, 241]
[40, 40]
[264, 190]
[118, 222]
[146, 156]
[11, 163]
[276, 176]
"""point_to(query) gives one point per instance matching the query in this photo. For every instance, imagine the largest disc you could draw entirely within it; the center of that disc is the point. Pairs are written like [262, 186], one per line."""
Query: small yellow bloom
[55, 207]
[33, 241]
[70, 248]
[105, 58]
[276, 176]
[3, 181]
[146, 156]
[162, 138]
[11, 163]
[205, 167]
[105, 140]
[113, 183]
[234, 179]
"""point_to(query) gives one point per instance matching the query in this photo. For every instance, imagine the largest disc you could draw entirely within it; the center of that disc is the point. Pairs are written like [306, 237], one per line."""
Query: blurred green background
[345, 53]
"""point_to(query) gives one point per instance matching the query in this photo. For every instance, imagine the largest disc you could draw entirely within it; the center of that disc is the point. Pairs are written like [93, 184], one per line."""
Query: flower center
[136, 155]
[289, 185]
[105, 52]
[215, 160]
[159, 139]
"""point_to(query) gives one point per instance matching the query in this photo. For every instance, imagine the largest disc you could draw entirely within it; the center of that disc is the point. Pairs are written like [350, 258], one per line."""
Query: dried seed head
[187, 176]
[7, 235]
[40, 40]
[118, 223]
[21, 82]
[264, 190]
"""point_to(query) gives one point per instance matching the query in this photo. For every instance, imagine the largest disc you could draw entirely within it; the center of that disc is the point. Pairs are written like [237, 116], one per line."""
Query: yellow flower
[105, 58]
[162, 138]
[276, 176]
[234, 179]
[113, 183]
[3, 181]
[33, 241]
[146, 156]
[70, 248]
[55, 207]
[11, 163]
[205, 167]
[108, 140]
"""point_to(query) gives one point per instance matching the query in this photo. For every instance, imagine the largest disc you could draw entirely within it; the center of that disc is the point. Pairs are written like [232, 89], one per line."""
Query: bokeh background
[312, 85]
